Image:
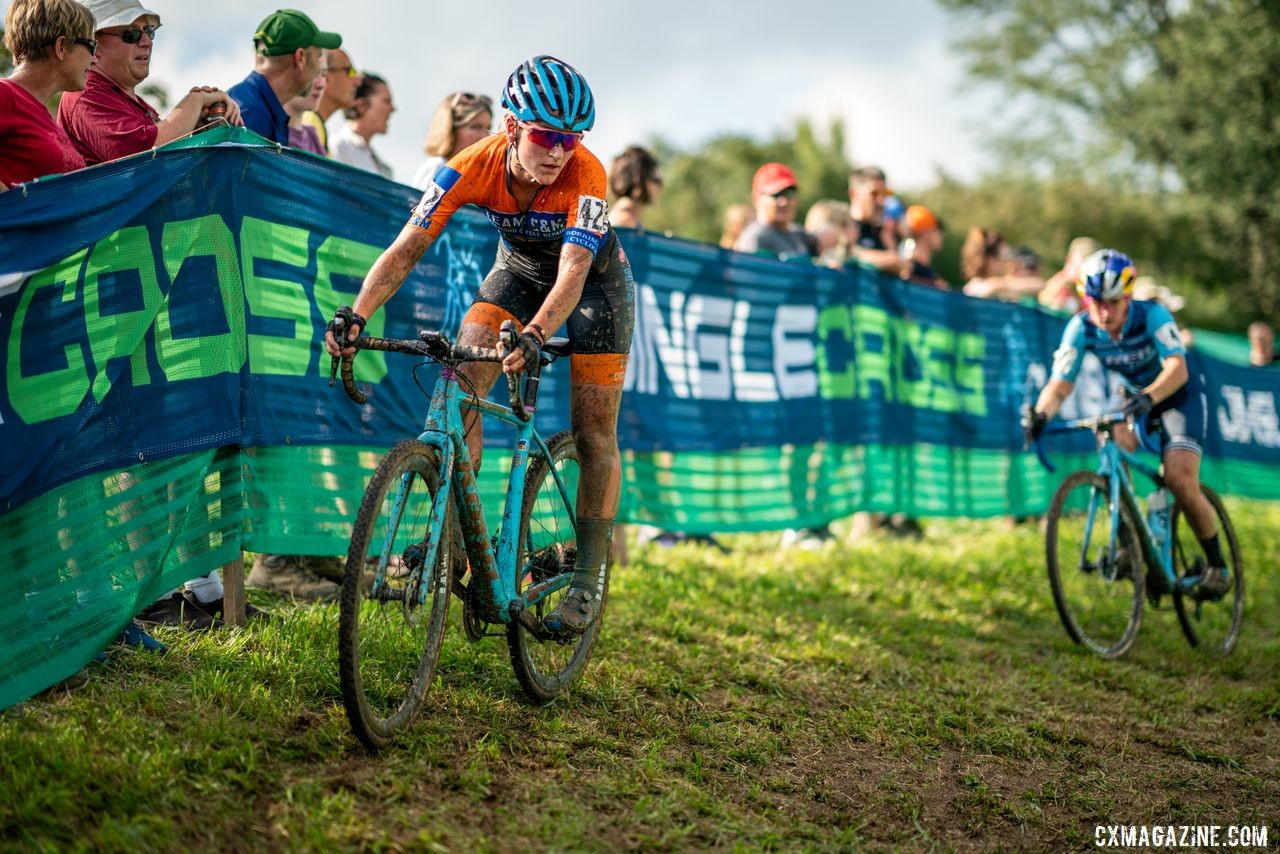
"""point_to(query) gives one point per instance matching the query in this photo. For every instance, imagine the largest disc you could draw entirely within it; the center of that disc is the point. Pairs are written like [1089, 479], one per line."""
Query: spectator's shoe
[575, 613]
[79, 679]
[217, 605]
[285, 574]
[1214, 583]
[178, 610]
[135, 635]
[810, 539]
[906, 527]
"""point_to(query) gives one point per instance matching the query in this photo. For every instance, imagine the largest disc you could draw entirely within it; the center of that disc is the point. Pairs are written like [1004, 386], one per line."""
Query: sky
[681, 71]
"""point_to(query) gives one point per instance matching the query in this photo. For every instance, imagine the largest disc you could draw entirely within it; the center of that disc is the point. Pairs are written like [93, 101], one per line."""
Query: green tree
[701, 184]
[1186, 92]
[6, 58]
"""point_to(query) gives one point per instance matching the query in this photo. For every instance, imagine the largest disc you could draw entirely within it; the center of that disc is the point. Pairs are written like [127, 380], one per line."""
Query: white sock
[207, 589]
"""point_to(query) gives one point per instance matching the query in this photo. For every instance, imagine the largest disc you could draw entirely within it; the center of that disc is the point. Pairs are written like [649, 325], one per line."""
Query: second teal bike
[1106, 557]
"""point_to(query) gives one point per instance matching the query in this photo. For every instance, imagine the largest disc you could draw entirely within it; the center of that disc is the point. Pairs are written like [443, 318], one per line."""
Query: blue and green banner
[165, 407]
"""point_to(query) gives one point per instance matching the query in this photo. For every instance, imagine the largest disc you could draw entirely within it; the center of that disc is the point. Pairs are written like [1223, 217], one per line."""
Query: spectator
[736, 219]
[288, 48]
[830, 226]
[1262, 344]
[773, 232]
[52, 46]
[996, 271]
[1059, 293]
[925, 235]
[874, 244]
[109, 119]
[635, 183]
[302, 134]
[366, 118]
[462, 119]
[341, 79]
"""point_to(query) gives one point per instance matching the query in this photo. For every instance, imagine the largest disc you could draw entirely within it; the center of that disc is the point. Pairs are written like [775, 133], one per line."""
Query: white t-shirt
[349, 147]
[427, 171]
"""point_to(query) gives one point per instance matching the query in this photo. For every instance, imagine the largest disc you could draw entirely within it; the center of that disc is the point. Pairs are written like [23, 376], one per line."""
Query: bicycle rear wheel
[547, 548]
[1099, 598]
[1212, 624]
[393, 607]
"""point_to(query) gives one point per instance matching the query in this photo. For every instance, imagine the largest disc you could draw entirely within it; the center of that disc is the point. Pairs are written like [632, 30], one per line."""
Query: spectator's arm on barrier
[192, 110]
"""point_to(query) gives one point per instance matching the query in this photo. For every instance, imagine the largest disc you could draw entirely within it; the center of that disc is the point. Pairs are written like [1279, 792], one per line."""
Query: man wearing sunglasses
[109, 120]
[341, 80]
[774, 232]
[559, 263]
[289, 50]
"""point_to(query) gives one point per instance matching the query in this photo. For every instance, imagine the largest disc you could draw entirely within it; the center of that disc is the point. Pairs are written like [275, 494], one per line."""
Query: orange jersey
[571, 210]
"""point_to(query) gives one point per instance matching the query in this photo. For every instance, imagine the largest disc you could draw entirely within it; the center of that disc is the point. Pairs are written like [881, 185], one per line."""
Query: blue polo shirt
[260, 109]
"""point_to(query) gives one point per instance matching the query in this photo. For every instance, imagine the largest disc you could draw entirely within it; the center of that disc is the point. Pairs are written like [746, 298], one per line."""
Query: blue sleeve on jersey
[1164, 331]
[1070, 353]
[441, 183]
[585, 238]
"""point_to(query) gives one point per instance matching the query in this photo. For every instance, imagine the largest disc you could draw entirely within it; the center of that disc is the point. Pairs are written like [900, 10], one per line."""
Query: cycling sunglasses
[551, 138]
[133, 35]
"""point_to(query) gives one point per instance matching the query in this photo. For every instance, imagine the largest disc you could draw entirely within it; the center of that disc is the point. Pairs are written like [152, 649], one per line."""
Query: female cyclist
[558, 263]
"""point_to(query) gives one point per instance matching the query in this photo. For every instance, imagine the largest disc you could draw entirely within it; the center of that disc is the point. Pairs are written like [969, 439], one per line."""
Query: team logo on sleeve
[1169, 336]
[593, 214]
[444, 180]
[1064, 359]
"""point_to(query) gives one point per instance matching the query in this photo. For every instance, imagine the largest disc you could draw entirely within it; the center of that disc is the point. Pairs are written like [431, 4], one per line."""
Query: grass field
[879, 694]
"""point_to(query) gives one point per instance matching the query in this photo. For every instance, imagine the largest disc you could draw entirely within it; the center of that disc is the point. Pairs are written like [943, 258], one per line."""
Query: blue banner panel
[175, 302]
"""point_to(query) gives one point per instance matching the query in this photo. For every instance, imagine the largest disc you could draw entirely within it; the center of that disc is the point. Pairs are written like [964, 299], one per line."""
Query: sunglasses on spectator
[344, 70]
[784, 193]
[91, 44]
[551, 138]
[133, 35]
[466, 99]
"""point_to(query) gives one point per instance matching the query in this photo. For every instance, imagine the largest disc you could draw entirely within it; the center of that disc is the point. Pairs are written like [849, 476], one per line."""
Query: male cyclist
[558, 262]
[1139, 340]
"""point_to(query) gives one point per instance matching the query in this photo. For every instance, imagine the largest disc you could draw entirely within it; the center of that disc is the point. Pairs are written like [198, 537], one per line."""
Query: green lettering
[209, 355]
[874, 351]
[283, 299]
[910, 343]
[834, 319]
[940, 344]
[970, 379]
[338, 256]
[120, 333]
[56, 393]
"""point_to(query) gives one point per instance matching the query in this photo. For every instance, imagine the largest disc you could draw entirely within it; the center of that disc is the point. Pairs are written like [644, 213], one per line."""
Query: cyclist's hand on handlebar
[1033, 424]
[347, 323]
[523, 355]
[1138, 406]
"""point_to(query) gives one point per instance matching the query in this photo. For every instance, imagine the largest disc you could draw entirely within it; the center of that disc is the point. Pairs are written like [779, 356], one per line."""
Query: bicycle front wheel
[393, 607]
[1212, 624]
[548, 544]
[1096, 573]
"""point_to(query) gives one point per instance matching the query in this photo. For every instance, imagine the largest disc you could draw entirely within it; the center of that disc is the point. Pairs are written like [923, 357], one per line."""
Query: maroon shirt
[31, 145]
[105, 122]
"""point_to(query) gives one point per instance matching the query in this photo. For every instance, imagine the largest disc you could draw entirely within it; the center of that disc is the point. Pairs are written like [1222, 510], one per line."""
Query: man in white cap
[109, 119]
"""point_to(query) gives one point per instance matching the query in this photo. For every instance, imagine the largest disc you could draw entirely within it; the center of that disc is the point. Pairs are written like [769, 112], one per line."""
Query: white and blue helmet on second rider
[1107, 274]
[551, 91]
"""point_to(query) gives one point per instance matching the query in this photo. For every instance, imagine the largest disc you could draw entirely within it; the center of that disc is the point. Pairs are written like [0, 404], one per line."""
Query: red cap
[772, 178]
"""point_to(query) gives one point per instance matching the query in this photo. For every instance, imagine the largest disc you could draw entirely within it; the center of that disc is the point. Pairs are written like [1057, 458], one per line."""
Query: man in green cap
[290, 53]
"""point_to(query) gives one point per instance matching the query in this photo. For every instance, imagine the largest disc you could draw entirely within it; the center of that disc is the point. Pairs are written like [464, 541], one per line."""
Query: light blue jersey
[1150, 336]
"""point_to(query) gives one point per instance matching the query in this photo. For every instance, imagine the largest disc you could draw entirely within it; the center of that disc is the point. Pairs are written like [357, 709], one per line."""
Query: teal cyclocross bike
[420, 535]
[1106, 558]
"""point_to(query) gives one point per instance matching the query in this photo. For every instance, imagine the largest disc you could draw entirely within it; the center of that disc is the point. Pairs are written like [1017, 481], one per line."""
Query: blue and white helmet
[551, 91]
[1106, 275]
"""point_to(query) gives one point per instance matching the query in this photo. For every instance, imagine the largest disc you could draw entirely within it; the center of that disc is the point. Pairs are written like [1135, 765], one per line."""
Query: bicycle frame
[1114, 465]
